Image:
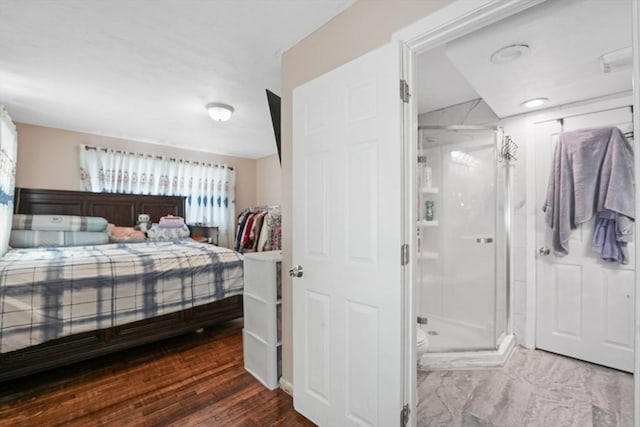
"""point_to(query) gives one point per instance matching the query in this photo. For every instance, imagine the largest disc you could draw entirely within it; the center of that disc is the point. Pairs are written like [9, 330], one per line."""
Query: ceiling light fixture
[535, 102]
[219, 112]
[508, 53]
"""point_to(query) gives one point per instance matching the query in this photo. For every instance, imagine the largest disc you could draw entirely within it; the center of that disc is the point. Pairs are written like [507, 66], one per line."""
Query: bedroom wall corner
[336, 43]
[48, 158]
[268, 181]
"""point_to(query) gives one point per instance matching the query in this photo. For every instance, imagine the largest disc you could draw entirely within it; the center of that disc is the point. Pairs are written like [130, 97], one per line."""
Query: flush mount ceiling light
[535, 102]
[219, 112]
[508, 53]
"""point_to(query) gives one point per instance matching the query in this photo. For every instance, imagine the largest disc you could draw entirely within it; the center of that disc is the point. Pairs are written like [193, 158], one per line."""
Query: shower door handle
[484, 240]
[544, 251]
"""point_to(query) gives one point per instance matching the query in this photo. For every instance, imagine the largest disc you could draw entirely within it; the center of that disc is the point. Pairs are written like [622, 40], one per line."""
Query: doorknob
[544, 251]
[296, 271]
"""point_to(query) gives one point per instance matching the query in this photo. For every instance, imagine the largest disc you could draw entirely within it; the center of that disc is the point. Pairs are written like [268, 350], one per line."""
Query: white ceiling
[566, 39]
[440, 83]
[145, 69]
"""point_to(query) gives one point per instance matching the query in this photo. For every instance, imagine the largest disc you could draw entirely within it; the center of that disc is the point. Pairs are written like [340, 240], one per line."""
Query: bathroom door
[584, 304]
[347, 205]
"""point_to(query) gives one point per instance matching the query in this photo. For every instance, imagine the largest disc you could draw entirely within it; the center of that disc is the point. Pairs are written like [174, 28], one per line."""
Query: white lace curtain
[209, 188]
[8, 151]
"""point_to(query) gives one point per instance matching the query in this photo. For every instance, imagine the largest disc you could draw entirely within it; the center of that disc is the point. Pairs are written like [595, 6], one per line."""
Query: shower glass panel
[459, 241]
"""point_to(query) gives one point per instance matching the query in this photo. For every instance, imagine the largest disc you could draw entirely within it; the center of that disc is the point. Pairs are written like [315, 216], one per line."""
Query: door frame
[448, 23]
[635, 34]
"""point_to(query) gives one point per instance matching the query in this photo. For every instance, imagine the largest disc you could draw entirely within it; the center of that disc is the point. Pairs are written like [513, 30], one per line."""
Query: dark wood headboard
[119, 209]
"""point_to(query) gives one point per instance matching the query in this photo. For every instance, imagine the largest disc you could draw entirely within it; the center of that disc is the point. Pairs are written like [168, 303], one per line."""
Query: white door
[347, 324]
[584, 304]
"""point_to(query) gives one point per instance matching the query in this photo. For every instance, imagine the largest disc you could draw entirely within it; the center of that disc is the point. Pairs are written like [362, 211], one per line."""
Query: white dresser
[261, 336]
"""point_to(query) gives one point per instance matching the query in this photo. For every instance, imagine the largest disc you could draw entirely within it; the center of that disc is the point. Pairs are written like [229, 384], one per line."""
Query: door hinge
[404, 415]
[404, 91]
[404, 254]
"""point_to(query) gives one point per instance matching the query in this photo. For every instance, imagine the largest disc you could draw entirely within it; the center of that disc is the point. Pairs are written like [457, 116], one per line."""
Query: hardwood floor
[193, 380]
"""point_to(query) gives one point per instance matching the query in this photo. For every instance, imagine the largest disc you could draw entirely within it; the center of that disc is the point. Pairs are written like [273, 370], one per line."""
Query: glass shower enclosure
[461, 270]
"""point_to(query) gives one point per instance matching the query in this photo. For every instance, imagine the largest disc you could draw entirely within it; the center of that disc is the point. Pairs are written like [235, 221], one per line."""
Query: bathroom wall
[517, 129]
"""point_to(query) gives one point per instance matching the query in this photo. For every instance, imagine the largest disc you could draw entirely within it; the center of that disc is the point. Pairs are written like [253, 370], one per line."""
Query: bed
[112, 279]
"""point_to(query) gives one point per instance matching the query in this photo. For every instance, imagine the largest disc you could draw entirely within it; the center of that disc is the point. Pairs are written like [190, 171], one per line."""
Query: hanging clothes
[592, 171]
[242, 220]
[256, 229]
[259, 230]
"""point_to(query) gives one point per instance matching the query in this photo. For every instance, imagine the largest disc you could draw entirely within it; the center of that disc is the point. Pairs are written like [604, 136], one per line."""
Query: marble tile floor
[534, 388]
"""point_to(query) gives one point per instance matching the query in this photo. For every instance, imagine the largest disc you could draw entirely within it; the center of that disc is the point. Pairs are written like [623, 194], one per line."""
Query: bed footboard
[75, 348]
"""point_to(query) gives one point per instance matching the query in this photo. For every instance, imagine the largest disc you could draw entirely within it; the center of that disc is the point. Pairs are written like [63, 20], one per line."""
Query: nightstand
[204, 233]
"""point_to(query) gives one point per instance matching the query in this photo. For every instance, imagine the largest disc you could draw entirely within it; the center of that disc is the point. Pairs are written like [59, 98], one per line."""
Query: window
[209, 188]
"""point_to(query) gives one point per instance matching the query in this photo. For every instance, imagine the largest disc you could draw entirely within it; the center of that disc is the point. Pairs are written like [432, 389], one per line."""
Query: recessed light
[535, 102]
[508, 53]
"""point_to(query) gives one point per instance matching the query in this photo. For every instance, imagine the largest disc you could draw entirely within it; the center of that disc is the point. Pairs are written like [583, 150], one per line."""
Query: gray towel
[592, 170]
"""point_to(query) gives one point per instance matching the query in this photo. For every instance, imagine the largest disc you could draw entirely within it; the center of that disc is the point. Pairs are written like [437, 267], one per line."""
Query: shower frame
[442, 359]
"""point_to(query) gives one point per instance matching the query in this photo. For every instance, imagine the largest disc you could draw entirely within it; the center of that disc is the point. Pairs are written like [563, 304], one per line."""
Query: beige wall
[49, 158]
[361, 28]
[268, 181]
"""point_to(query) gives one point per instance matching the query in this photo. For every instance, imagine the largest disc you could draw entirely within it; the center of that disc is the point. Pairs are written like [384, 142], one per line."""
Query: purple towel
[611, 233]
[171, 221]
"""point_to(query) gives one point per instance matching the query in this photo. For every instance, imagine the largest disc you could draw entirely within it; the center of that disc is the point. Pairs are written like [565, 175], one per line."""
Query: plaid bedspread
[47, 293]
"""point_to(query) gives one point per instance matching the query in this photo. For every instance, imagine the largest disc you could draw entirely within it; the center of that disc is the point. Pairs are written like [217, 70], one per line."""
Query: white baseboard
[286, 386]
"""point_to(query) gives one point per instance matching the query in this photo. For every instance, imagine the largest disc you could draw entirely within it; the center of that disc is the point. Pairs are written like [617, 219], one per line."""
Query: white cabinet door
[584, 304]
[347, 236]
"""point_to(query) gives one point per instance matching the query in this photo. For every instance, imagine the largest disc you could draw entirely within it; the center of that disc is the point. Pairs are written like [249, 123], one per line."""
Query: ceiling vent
[508, 53]
[617, 60]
